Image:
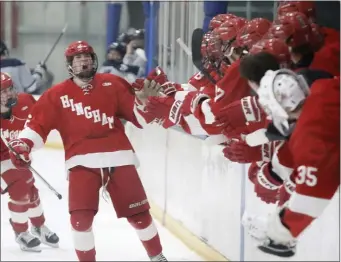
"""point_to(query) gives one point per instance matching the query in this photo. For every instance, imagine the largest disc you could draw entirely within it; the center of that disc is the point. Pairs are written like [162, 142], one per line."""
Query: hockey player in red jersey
[245, 116]
[329, 48]
[24, 203]
[85, 109]
[264, 55]
[232, 86]
[296, 30]
[312, 120]
[308, 8]
[195, 103]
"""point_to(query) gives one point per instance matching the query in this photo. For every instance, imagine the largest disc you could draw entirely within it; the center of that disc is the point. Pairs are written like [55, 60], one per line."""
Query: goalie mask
[81, 60]
[282, 93]
[9, 96]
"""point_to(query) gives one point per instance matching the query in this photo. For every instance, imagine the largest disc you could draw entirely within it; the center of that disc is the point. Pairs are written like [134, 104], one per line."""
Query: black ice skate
[28, 242]
[46, 236]
[159, 257]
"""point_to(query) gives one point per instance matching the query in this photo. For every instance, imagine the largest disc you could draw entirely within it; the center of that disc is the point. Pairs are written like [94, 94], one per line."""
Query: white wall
[196, 185]
[41, 22]
[208, 193]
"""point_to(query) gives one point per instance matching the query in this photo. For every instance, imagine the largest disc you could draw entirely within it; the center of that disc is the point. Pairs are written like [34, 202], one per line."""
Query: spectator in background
[114, 63]
[135, 54]
[42, 86]
[25, 80]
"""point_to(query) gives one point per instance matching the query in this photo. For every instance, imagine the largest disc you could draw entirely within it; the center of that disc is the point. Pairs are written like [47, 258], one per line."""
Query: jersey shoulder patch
[11, 62]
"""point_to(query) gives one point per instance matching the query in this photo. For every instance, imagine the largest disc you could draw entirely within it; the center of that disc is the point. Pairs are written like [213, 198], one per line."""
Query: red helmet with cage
[252, 32]
[294, 28]
[8, 92]
[218, 20]
[214, 47]
[228, 31]
[211, 52]
[306, 7]
[86, 68]
[276, 47]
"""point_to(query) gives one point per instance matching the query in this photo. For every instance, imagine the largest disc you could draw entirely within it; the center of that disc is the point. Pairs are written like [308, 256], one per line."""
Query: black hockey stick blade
[197, 37]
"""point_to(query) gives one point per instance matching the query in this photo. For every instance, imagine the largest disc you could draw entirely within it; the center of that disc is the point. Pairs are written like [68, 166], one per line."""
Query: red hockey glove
[166, 109]
[235, 116]
[267, 184]
[19, 151]
[157, 75]
[191, 101]
[240, 152]
[286, 190]
[138, 84]
[253, 170]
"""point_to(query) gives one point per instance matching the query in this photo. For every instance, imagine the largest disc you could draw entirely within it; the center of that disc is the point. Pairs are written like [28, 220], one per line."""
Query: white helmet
[281, 92]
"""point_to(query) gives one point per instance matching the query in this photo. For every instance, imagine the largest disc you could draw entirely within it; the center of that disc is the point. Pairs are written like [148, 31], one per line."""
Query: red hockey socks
[147, 232]
[83, 237]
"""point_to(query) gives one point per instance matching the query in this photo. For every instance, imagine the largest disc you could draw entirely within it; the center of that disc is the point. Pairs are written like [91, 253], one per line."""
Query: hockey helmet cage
[76, 48]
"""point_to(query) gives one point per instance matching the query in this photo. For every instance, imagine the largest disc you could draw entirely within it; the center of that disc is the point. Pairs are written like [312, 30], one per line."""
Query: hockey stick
[197, 37]
[31, 168]
[54, 45]
[184, 47]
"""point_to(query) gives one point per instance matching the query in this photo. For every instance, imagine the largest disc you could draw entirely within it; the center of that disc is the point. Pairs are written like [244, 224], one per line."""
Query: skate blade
[31, 249]
[43, 241]
[56, 245]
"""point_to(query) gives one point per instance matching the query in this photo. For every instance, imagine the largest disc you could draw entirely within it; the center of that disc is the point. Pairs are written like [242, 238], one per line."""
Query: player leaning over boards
[24, 201]
[85, 109]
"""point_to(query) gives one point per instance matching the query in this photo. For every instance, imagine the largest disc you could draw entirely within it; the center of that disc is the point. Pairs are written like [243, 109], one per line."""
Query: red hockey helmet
[81, 67]
[252, 32]
[228, 31]
[211, 52]
[306, 7]
[294, 28]
[218, 20]
[6, 81]
[276, 47]
[8, 92]
[214, 47]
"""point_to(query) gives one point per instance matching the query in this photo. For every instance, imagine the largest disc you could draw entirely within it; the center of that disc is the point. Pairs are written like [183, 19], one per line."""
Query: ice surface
[115, 239]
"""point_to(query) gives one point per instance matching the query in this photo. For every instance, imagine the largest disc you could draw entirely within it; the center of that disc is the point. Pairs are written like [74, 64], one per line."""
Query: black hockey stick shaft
[54, 45]
[197, 59]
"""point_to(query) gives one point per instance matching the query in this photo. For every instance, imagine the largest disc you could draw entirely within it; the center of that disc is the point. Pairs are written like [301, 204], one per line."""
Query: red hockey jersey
[87, 120]
[198, 82]
[231, 88]
[315, 148]
[328, 57]
[10, 128]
